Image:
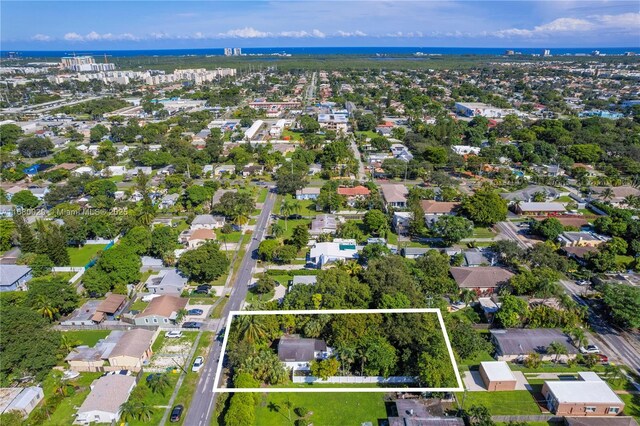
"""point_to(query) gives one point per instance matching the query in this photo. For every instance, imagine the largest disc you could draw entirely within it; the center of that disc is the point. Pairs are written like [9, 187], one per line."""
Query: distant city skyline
[100, 25]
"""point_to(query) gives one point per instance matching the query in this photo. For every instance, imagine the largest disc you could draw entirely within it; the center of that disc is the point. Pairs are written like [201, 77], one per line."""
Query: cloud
[318, 33]
[41, 37]
[356, 33]
[247, 32]
[73, 37]
[627, 22]
[250, 32]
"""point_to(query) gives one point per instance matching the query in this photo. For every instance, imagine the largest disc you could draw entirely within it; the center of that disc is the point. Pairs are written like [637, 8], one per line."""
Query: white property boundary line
[217, 389]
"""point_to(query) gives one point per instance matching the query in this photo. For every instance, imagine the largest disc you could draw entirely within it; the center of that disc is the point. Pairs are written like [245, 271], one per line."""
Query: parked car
[176, 413]
[582, 282]
[204, 287]
[589, 349]
[200, 291]
[173, 334]
[195, 312]
[197, 364]
[603, 359]
[192, 324]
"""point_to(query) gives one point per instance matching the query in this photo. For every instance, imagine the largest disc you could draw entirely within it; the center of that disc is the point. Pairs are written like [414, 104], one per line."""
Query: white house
[296, 353]
[323, 253]
[102, 405]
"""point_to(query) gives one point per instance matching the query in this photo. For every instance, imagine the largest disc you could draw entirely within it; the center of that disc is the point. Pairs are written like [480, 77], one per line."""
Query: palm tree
[607, 194]
[557, 349]
[44, 307]
[351, 267]
[67, 344]
[129, 410]
[578, 336]
[145, 412]
[288, 207]
[159, 383]
[251, 329]
[277, 230]
[467, 296]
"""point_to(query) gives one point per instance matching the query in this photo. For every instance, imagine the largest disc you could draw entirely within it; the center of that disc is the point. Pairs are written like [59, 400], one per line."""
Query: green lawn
[291, 224]
[188, 388]
[232, 237]
[80, 256]
[329, 409]
[294, 136]
[216, 312]
[255, 297]
[476, 360]
[632, 405]
[138, 305]
[262, 196]
[549, 367]
[483, 233]
[63, 414]
[502, 403]
[368, 134]
[156, 400]
[86, 337]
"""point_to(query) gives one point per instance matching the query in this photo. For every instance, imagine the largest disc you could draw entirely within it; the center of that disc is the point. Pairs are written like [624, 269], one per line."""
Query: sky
[65, 25]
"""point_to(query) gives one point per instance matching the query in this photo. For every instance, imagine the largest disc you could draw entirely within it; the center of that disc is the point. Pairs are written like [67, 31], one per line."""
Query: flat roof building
[588, 396]
[497, 376]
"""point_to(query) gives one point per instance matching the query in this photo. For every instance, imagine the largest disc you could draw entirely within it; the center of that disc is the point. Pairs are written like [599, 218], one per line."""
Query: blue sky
[59, 25]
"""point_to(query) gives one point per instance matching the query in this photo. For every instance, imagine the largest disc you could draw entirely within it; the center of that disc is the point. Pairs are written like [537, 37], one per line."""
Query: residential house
[497, 376]
[619, 193]
[207, 221]
[394, 196]
[308, 193]
[415, 412]
[93, 359]
[6, 210]
[587, 396]
[252, 170]
[540, 208]
[336, 122]
[296, 353]
[161, 310]
[150, 264]
[102, 405]
[354, 193]
[224, 168]
[475, 258]
[133, 349]
[84, 170]
[83, 315]
[433, 210]
[581, 239]
[414, 252]
[113, 171]
[109, 307]
[303, 280]
[167, 281]
[324, 224]
[481, 279]
[515, 344]
[578, 253]
[527, 194]
[198, 237]
[323, 253]
[20, 400]
[401, 222]
[14, 277]
[314, 169]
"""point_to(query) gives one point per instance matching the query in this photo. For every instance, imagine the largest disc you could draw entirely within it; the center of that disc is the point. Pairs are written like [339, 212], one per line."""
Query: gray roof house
[166, 282]
[22, 400]
[14, 277]
[304, 280]
[516, 343]
[324, 224]
[102, 405]
[168, 201]
[296, 352]
[207, 221]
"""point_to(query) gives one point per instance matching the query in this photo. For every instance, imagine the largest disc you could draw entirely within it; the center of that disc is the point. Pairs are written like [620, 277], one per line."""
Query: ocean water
[310, 51]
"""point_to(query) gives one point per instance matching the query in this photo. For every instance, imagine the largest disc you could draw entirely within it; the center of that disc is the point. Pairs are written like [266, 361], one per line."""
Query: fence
[533, 418]
[356, 379]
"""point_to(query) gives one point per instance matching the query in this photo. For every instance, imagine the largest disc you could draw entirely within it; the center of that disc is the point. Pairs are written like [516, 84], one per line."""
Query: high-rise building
[228, 51]
[237, 51]
[546, 52]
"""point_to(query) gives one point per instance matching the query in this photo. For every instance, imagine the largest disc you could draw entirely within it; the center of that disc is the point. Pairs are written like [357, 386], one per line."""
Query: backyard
[519, 402]
[331, 408]
[80, 256]
[85, 337]
[63, 413]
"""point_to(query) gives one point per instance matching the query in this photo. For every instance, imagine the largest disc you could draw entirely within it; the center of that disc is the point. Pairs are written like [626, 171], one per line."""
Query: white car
[197, 364]
[589, 349]
[173, 334]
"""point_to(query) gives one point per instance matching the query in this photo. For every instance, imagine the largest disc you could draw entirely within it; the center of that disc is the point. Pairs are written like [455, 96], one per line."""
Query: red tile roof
[353, 192]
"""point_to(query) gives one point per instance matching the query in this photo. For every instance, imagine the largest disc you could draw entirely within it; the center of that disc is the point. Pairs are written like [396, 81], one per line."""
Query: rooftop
[108, 393]
[165, 306]
[134, 343]
[593, 390]
[9, 274]
[497, 370]
[516, 341]
[480, 276]
[291, 349]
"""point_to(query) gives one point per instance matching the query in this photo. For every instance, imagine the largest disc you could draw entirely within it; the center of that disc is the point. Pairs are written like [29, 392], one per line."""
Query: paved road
[619, 345]
[310, 93]
[201, 408]
[361, 171]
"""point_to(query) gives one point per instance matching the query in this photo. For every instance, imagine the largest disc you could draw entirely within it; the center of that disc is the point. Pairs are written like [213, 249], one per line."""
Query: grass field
[86, 337]
[483, 233]
[327, 408]
[502, 403]
[262, 196]
[63, 414]
[157, 401]
[294, 136]
[216, 312]
[80, 256]
[632, 405]
[291, 224]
